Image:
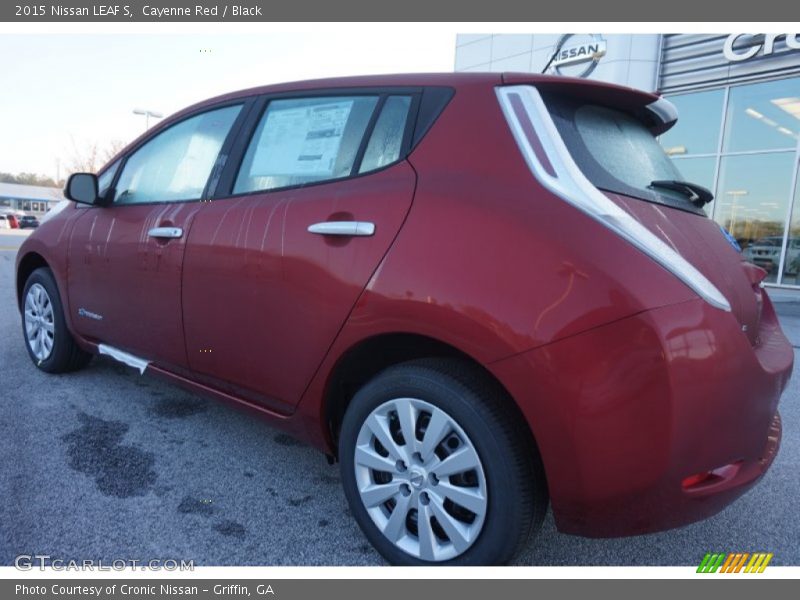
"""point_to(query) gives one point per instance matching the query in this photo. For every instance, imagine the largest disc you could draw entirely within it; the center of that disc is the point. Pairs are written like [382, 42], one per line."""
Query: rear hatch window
[619, 154]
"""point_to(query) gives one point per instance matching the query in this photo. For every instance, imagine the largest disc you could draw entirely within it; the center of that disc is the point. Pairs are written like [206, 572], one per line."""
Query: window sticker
[301, 141]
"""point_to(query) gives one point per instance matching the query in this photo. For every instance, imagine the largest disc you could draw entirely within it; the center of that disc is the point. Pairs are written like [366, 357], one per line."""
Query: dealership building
[28, 199]
[738, 97]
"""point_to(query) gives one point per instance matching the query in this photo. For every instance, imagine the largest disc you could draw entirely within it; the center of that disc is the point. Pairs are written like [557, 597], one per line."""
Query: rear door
[276, 261]
[126, 258]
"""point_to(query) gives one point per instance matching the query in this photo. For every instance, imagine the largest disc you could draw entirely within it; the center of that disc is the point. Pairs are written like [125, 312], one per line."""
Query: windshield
[617, 153]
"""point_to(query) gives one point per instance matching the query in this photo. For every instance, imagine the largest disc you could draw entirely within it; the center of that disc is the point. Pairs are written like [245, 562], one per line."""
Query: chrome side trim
[571, 185]
[124, 357]
[165, 232]
[346, 228]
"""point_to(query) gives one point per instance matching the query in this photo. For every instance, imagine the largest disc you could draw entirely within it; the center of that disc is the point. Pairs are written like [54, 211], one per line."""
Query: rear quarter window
[386, 140]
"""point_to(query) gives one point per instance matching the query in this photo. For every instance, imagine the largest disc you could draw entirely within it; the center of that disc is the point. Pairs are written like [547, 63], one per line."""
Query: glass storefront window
[697, 129]
[751, 171]
[752, 198]
[763, 116]
[791, 264]
[698, 170]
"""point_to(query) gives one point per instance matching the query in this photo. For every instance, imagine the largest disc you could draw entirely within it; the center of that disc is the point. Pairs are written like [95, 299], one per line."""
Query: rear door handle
[165, 232]
[346, 228]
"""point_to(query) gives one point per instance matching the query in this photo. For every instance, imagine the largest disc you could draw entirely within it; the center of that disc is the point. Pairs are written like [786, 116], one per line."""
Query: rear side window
[386, 140]
[174, 166]
[617, 152]
[305, 140]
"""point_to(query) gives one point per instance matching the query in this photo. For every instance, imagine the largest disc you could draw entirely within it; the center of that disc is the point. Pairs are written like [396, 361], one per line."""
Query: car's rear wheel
[438, 469]
[47, 339]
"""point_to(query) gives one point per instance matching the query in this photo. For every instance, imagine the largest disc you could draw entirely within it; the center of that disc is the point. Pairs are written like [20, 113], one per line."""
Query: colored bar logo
[735, 562]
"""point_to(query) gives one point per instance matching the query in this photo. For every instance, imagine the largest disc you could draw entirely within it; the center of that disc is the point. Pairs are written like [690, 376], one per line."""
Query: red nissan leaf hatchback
[478, 292]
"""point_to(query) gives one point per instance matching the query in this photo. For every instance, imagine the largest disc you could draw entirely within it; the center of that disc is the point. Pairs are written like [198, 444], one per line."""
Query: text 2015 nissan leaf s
[479, 292]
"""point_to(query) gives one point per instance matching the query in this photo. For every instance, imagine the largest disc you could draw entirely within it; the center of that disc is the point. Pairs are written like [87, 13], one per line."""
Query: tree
[83, 157]
[28, 179]
[88, 157]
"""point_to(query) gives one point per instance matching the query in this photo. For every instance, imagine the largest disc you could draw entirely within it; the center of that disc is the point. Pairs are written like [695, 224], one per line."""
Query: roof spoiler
[656, 112]
[664, 113]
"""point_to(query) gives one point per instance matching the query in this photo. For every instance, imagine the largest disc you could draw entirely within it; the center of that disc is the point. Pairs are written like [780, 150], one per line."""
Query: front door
[126, 258]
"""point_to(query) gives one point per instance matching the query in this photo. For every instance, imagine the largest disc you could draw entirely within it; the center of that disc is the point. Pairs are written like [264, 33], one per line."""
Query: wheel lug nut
[400, 466]
[433, 479]
[405, 489]
[424, 499]
[417, 457]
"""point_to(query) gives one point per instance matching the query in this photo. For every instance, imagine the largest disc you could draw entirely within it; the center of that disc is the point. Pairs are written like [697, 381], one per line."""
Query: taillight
[553, 166]
[697, 479]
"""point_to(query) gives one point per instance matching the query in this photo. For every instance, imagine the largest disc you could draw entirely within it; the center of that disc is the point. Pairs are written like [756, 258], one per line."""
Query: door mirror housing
[82, 188]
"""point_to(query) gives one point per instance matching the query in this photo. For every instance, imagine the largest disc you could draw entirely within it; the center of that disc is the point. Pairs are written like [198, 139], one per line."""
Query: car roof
[573, 85]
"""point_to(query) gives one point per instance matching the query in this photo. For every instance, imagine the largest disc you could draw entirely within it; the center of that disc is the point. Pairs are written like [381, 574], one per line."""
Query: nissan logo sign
[577, 55]
[756, 45]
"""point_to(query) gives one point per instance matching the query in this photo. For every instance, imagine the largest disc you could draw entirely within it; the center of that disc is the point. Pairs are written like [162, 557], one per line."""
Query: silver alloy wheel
[420, 479]
[39, 322]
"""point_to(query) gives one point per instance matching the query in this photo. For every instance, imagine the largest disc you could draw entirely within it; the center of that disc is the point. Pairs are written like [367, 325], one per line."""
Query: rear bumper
[654, 421]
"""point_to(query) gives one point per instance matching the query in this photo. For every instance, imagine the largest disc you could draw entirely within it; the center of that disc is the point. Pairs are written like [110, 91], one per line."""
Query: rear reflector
[705, 478]
[553, 166]
[697, 479]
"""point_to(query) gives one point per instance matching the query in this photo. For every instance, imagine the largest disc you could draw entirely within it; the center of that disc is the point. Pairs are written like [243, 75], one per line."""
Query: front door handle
[345, 228]
[165, 232]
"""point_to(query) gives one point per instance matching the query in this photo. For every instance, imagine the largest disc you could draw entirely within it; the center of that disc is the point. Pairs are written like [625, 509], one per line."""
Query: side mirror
[82, 188]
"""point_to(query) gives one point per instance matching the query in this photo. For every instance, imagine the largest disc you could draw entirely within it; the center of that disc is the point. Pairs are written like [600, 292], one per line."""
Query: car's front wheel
[438, 469]
[47, 339]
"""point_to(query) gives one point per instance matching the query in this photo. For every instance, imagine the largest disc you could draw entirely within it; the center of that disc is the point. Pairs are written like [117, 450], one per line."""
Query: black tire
[65, 355]
[514, 477]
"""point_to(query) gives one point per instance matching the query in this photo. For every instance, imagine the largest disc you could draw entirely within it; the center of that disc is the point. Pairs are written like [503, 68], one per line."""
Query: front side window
[303, 141]
[175, 165]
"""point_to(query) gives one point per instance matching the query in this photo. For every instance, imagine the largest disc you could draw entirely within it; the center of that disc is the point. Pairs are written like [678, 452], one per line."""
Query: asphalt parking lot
[106, 464]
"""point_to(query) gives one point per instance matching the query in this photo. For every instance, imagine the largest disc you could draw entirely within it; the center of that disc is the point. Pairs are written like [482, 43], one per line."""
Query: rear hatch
[611, 136]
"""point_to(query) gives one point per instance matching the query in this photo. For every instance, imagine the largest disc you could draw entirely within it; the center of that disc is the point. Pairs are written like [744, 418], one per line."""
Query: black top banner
[405, 10]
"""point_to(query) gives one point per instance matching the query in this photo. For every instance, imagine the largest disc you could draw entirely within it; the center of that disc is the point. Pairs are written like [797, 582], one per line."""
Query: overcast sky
[60, 88]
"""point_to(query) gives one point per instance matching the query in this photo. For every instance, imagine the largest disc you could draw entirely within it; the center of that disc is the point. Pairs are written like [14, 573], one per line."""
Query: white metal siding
[696, 61]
